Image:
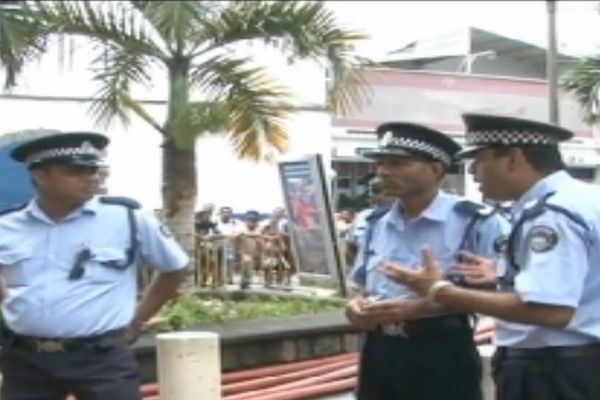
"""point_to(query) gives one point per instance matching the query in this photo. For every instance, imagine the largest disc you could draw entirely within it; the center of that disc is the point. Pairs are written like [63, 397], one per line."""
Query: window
[343, 183]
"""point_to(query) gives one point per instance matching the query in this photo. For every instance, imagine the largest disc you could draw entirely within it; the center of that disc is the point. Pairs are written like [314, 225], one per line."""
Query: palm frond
[257, 109]
[347, 89]
[129, 103]
[115, 73]
[305, 28]
[21, 40]
[198, 118]
[583, 82]
[214, 76]
[107, 22]
[302, 30]
[178, 22]
[256, 106]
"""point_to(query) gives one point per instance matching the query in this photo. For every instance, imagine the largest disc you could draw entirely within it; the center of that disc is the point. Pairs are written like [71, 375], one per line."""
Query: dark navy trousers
[545, 375]
[98, 371]
[441, 364]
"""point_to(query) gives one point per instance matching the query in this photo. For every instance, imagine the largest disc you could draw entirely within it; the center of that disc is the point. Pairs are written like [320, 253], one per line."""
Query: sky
[389, 25]
[393, 24]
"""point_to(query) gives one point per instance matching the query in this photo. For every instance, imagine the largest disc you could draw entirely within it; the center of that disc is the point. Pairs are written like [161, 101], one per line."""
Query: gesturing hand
[355, 314]
[419, 280]
[393, 310]
[476, 270]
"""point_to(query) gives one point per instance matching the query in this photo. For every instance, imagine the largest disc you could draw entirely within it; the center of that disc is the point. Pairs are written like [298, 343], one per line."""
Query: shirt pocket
[108, 264]
[17, 269]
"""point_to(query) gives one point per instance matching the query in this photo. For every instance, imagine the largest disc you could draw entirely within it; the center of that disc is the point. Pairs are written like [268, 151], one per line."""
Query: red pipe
[346, 372]
[269, 381]
[283, 368]
[306, 393]
[258, 373]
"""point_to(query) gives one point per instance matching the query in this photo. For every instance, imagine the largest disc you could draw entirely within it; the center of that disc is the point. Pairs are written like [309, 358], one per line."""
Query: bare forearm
[162, 288]
[506, 306]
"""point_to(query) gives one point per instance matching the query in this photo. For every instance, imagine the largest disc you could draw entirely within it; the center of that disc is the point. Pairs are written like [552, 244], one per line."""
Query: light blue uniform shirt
[357, 233]
[37, 254]
[441, 226]
[559, 263]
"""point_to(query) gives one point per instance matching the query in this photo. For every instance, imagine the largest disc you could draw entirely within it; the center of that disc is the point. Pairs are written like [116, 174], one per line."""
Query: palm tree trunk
[179, 191]
[179, 167]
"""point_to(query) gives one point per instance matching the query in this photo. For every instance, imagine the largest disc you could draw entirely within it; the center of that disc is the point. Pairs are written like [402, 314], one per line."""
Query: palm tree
[584, 82]
[211, 89]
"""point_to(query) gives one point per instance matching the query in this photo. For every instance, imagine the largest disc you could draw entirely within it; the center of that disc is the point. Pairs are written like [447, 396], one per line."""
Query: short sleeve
[555, 261]
[158, 247]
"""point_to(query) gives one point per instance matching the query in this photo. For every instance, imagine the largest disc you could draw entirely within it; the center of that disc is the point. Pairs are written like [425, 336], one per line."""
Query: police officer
[377, 200]
[407, 338]
[548, 336]
[68, 259]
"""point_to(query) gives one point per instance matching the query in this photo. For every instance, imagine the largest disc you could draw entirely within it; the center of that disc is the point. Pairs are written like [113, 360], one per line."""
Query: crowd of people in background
[235, 248]
[249, 245]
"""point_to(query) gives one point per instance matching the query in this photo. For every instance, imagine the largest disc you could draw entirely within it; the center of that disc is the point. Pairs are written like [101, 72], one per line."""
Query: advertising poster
[308, 204]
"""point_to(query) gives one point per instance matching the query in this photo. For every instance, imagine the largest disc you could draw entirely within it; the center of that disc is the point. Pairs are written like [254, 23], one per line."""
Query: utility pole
[551, 64]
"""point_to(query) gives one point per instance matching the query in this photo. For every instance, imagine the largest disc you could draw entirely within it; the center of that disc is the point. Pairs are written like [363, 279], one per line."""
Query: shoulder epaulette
[473, 208]
[13, 208]
[377, 213]
[121, 201]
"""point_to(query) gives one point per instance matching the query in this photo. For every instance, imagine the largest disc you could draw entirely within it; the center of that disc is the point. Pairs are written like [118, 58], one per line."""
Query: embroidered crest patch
[542, 238]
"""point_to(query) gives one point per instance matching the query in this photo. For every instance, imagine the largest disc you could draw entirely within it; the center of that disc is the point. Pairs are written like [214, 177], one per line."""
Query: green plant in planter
[193, 310]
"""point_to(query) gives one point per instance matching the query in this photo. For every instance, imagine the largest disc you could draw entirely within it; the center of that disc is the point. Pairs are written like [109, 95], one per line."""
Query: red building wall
[438, 100]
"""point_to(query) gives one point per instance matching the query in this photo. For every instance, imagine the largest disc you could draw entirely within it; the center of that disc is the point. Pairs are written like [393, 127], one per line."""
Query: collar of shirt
[33, 209]
[541, 188]
[438, 211]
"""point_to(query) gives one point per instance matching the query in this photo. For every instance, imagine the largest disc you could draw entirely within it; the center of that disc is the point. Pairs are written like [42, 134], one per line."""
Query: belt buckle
[49, 346]
[394, 329]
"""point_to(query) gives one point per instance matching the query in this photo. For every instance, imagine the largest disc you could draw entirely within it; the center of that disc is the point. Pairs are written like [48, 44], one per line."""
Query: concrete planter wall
[256, 343]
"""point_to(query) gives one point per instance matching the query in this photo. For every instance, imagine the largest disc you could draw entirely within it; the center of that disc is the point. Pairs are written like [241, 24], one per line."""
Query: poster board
[311, 223]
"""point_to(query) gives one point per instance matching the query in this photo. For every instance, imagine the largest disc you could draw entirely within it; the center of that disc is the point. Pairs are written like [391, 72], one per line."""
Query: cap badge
[386, 139]
[87, 148]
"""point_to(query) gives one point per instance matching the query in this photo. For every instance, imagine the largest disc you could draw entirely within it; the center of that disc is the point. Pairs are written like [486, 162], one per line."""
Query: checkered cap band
[478, 138]
[415, 144]
[86, 149]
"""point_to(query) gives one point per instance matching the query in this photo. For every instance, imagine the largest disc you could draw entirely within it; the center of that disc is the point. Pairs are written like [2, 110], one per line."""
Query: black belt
[585, 350]
[61, 345]
[427, 327]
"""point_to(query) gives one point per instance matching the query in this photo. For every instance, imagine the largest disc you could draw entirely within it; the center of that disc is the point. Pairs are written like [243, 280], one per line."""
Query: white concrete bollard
[189, 366]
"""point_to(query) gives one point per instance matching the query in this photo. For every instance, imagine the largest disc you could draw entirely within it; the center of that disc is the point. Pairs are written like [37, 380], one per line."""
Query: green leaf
[583, 82]
[178, 22]
[301, 30]
[115, 72]
[256, 106]
[21, 40]
[106, 22]
[193, 310]
[197, 118]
